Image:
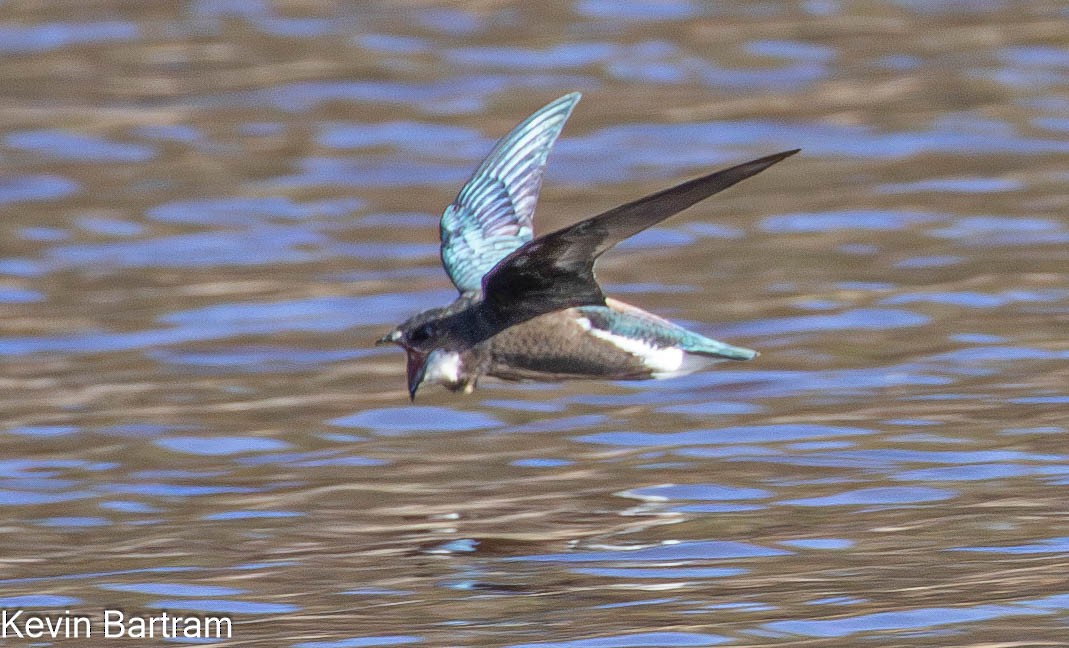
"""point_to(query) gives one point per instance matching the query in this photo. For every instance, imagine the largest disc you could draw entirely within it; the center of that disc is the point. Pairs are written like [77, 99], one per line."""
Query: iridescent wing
[491, 217]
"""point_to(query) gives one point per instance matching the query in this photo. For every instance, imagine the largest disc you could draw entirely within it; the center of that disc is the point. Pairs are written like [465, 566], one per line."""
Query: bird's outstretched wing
[492, 215]
[556, 271]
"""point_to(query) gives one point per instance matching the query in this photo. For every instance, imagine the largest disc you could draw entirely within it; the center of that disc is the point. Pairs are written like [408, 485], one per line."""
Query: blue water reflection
[685, 550]
[697, 492]
[1003, 230]
[72, 523]
[24, 188]
[230, 320]
[541, 463]
[245, 212]
[413, 419]
[955, 185]
[734, 434]
[219, 445]
[640, 11]
[855, 319]
[262, 359]
[879, 496]
[1048, 545]
[830, 544]
[361, 642]
[662, 573]
[917, 619]
[223, 606]
[43, 430]
[75, 147]
[635, 640]
[25, 39]
[851, 219]
[39, 601]
[173, 589]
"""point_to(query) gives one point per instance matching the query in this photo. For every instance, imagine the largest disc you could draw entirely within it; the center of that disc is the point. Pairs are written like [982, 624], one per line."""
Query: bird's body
[530, 308]
[617, 341]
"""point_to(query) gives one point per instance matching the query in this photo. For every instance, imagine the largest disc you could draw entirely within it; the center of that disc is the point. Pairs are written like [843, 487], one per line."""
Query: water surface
[212, 209]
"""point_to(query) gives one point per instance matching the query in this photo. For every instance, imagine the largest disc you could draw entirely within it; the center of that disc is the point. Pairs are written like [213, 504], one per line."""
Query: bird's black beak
[389, 338]
[417, 367]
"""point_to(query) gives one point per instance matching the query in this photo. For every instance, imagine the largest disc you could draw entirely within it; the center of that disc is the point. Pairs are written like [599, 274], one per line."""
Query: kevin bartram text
[110, 624]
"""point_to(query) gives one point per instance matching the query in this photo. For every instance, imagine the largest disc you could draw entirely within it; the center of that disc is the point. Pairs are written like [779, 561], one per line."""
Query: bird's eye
[420, 334]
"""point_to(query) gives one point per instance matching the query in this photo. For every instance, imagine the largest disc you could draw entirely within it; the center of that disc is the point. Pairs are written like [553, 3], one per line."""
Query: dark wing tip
[763, 163]
[717, 182]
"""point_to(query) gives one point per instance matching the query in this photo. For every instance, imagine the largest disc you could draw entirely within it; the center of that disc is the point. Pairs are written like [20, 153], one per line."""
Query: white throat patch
[443, 367]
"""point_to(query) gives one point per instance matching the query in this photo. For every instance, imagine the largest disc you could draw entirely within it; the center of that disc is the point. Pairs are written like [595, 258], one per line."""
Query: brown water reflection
[211, 209]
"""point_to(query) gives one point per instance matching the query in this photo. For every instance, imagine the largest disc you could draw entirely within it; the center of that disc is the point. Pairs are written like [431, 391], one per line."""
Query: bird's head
[423, 337]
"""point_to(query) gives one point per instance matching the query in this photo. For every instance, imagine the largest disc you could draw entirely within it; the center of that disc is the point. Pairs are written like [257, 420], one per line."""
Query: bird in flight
[530, 307]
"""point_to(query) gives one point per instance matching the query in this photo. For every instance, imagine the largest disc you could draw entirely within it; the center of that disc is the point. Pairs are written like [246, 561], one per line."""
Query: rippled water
[212, 208]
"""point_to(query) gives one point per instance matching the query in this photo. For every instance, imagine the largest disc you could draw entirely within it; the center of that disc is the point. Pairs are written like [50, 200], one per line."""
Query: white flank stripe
[664, 362]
